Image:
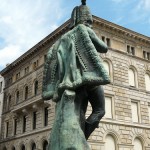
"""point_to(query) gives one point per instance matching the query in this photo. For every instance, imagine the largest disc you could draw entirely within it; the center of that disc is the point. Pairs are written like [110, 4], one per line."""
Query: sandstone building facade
[27, 119]
[1, 97]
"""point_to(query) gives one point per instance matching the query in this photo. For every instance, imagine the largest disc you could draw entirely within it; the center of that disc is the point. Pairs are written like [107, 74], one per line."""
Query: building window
[1, 85]
[131, 73]
[9, 103]
[35, 87]
[130, 50]
[13, 148]
[24, 123]
[26, 70]
[33, 146]
[108, 107]
[45, 58]
[45, 116]
[17, 96]
[26, 93]
[4, 148]
[35, 64]
[106, 65]
[110, 142]
[135, 111]
[34, 119]
[6, 129]
[9, 81]
[45, 145]
[18, 76]
[15, 126]
[147, 82]
[106, 41]
[23, 147]
[146, 55]
[138, 144]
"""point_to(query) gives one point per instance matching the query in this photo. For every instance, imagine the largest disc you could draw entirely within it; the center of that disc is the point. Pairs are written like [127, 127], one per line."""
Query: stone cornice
[121, 30]
[64, 27]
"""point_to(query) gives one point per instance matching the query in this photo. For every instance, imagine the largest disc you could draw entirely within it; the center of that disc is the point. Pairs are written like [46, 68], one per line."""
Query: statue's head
[81, 15]
[83, 2]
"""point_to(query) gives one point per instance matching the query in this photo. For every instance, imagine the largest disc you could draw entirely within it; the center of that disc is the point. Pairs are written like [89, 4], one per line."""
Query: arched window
[13, 148]
[4, 148]
[132, 78]
[23, 147]
[147, 82]
[35, 87]
[26, 93]
[45, 145]
[17, 96]
[33, 146]
[107, 67]
[138, 144]
[110, 143]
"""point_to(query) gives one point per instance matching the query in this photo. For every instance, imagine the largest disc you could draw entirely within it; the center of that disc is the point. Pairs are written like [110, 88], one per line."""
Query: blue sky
[25, 23]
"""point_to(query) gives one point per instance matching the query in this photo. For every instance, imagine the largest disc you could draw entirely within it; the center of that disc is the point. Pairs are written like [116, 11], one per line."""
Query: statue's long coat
[73, 61]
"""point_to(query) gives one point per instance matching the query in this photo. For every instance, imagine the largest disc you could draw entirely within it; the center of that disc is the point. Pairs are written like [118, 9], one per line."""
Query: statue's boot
[92, 122]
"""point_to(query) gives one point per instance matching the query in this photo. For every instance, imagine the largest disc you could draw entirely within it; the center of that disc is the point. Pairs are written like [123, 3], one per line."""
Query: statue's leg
[97, 100]
[81, 102]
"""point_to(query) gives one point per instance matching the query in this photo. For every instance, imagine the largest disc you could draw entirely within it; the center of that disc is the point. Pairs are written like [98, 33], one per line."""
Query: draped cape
[73, 61]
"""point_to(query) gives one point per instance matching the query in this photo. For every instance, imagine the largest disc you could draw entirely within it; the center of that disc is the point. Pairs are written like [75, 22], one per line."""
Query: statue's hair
[80, 15]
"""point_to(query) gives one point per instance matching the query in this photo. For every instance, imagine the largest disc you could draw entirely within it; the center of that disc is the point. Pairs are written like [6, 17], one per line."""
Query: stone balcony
[32, 104]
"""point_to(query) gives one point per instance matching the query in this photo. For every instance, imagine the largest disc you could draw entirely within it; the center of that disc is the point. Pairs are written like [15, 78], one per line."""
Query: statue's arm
[99, 44]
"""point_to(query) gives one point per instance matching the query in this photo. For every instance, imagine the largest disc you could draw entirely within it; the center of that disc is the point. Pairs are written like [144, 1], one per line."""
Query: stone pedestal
[66, 132]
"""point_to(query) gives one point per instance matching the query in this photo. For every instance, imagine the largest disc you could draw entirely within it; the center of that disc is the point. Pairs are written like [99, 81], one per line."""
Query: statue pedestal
[66, 132]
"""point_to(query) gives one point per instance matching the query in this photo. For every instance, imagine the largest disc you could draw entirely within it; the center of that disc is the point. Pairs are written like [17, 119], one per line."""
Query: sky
[25, 23]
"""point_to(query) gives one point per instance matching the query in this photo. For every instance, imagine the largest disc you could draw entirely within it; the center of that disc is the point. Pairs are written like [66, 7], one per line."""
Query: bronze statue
[73, 75]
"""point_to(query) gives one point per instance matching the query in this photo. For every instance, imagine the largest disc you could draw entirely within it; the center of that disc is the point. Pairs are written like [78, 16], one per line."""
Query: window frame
[112, 106]
[147, 73]
[138, 111]
[135, 77]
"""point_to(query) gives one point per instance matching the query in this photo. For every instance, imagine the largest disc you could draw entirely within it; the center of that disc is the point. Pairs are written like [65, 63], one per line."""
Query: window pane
[36, 87]
[106, 65]
[110, 143]
[147, 82]
[134, 107]
[46, 116]
[131, 77]
[137, 145]
[24, 123]
[108, 107]
[34, 119]
[33, 146]
[45, 145]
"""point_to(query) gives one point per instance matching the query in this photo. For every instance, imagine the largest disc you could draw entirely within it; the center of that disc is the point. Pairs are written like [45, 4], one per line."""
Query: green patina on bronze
[73, 74]
[73, 61]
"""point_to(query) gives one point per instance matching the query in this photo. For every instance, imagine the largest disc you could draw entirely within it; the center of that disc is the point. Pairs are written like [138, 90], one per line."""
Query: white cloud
[8, 54]
[144, 5]
[24, 23]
